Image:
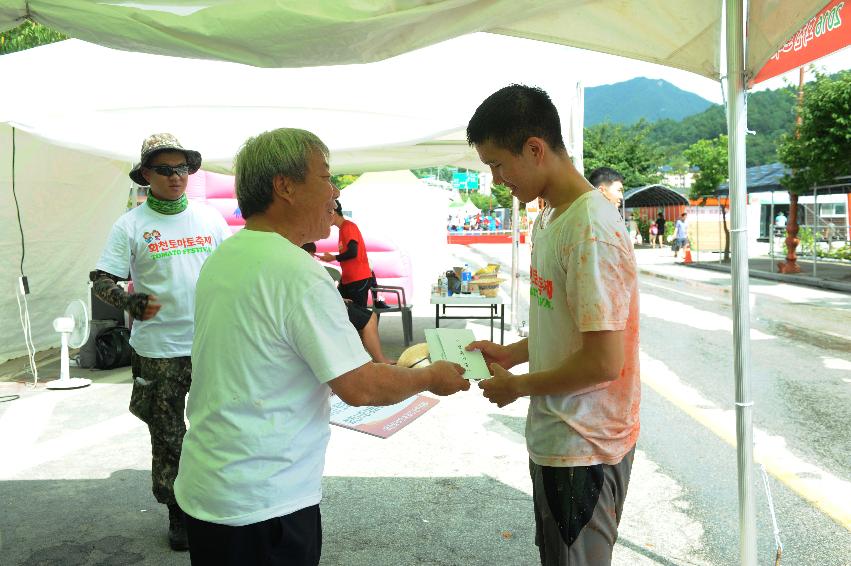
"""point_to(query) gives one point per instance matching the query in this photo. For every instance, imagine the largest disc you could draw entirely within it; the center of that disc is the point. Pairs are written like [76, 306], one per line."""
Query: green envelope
[449, 343]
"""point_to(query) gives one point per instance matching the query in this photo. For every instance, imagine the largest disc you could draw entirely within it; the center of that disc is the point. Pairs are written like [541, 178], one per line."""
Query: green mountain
[643, 107]
[640, 98]
[771, 113]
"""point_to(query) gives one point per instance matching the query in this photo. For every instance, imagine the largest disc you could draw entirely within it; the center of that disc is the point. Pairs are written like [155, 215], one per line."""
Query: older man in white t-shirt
[161, 246]
[272, 341]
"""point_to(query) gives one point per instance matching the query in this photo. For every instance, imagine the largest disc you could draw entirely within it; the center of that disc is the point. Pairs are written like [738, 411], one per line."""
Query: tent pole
[736, 123]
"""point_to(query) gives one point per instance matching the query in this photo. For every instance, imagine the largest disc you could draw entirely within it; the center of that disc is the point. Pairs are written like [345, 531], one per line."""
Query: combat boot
[177, 538]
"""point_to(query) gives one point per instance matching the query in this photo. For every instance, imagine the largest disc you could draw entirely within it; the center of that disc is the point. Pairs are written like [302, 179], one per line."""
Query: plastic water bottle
[466, 277]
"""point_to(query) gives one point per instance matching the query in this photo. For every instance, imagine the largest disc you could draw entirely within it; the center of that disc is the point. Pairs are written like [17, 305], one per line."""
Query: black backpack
[113, 348]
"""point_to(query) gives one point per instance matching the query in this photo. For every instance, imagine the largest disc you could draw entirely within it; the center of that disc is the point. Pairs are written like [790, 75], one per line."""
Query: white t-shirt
[271, 331]
[583, 279]
[163, 253]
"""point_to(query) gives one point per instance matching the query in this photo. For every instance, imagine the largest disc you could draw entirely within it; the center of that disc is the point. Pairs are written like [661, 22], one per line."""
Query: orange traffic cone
[687, 256]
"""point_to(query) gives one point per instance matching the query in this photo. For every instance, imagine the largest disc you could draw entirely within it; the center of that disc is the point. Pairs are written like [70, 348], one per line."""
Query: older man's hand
[447, 378]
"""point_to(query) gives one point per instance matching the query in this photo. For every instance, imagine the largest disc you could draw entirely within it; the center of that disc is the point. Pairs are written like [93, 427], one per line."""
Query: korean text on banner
[825, 33]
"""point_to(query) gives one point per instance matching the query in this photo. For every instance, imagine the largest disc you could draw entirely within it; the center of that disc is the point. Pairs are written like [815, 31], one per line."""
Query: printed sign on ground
[379, 421]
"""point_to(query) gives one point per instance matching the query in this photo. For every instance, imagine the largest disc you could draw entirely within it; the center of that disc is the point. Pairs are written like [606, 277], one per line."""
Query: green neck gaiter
[167, 206]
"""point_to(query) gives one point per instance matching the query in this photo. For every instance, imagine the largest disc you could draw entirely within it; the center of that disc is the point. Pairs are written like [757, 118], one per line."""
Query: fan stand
[65, 380]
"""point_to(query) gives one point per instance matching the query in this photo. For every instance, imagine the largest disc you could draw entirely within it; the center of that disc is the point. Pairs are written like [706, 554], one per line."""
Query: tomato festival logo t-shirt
[163, 255]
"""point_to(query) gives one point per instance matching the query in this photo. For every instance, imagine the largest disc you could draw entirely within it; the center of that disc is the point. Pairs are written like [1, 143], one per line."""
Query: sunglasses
[168, 170]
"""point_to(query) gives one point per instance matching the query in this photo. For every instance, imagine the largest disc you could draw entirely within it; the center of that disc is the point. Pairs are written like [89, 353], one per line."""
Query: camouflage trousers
[159, 393]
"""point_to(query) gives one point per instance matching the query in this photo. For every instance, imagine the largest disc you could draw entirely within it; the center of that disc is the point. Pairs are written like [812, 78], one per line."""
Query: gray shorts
[577, 511]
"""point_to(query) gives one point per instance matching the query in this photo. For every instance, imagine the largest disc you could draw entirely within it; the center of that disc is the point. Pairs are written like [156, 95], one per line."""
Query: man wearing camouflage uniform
[161, 246]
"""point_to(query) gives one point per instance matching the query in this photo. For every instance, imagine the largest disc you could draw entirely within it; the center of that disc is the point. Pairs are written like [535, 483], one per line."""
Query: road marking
[671, 290]
[677, 312]
[828, 493]
[836, 363]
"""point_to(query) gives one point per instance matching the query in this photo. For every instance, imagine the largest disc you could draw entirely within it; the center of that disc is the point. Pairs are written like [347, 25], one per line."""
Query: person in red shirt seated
[357, 276]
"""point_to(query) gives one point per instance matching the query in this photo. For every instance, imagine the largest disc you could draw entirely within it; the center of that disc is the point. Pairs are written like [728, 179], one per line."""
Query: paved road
[801, 373]
[452, 488]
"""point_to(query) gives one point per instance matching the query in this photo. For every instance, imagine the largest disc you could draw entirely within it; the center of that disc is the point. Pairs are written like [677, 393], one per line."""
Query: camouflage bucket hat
[162, 142]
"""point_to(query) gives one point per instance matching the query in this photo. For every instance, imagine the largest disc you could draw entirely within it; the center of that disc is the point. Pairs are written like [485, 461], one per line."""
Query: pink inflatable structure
[390, 264]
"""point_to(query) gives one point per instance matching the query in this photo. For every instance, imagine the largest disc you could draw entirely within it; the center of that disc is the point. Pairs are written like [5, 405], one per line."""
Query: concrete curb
[798, 280]
[803, 280]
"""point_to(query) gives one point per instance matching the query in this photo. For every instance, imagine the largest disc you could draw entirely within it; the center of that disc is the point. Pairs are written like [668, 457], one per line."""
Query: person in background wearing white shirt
[272, 341]
[681, 234]
[161, 246]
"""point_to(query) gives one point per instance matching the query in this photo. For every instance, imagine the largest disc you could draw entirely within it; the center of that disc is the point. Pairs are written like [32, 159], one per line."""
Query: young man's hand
[493, 353]
[447, 378]
[501, 389]
[328, 257]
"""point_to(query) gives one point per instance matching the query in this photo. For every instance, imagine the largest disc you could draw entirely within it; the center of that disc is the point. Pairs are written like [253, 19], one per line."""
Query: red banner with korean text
[826, 32]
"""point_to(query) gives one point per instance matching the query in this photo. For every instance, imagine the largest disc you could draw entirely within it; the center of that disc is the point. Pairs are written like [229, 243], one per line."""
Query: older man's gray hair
[285, 151]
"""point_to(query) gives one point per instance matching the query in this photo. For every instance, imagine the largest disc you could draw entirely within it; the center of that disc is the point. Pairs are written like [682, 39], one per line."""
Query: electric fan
[74, 328]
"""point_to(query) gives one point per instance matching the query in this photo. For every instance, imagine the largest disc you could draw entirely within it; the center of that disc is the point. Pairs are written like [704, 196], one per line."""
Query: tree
[500, 197]
[710, 157]
[441, 173]
[820, 149]
[343, 181]
[771, 114]
[28, 34]
[625, 149]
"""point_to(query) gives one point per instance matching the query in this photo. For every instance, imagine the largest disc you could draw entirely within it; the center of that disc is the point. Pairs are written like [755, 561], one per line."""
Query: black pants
[357, 291]
[291, 540]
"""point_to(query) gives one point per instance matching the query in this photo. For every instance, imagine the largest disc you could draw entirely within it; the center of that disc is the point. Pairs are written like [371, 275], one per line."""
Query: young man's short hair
[604, 176]
[512, 115]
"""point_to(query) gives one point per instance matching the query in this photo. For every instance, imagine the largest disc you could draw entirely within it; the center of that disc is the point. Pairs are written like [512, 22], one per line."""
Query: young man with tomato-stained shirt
[582, 349]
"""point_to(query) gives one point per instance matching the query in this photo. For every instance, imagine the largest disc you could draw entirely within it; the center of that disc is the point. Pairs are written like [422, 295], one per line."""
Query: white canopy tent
[679, 33]
[380, 116]
[80, 112]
